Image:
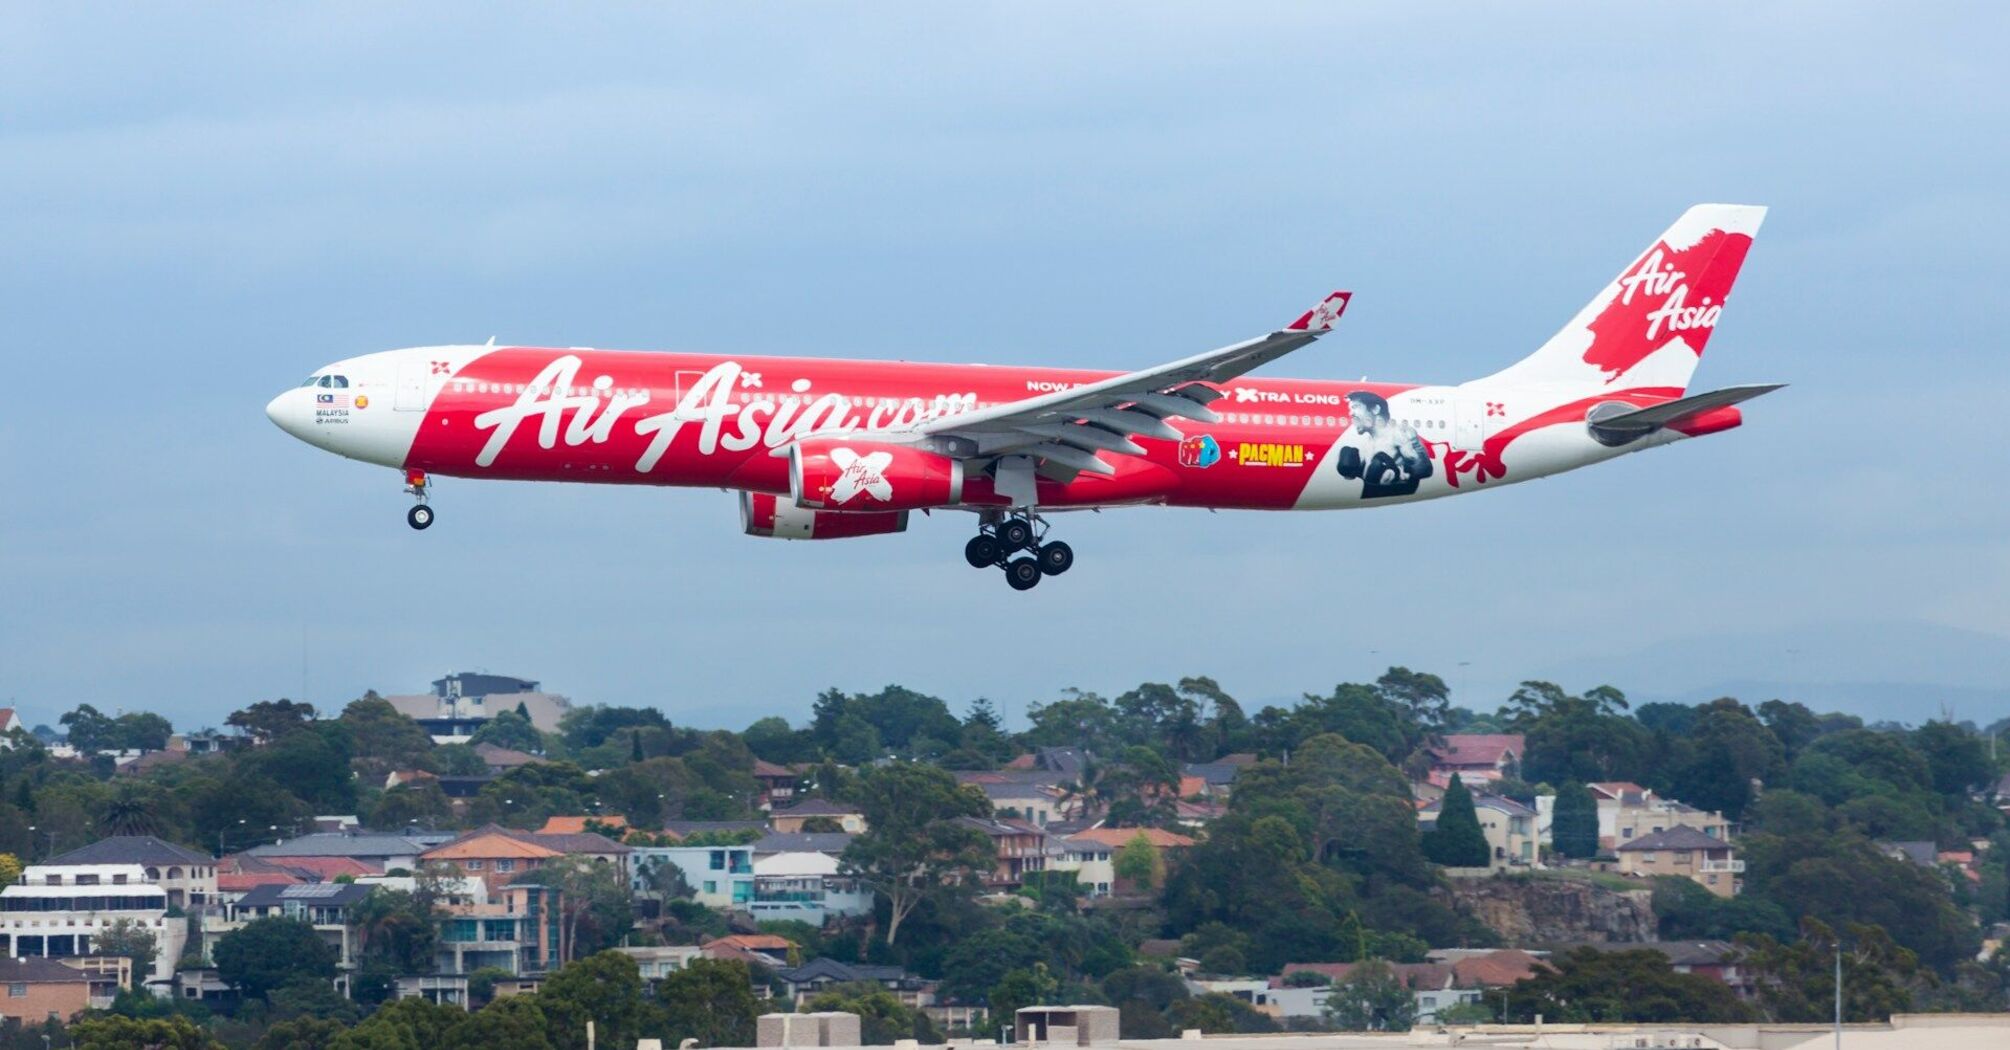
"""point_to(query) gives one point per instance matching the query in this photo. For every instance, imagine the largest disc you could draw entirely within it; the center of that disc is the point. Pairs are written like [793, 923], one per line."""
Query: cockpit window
[313, 381]
[336, 382]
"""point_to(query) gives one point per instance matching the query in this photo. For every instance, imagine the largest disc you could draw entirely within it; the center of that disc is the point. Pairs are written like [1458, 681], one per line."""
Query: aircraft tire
[981, 552]
[1015, 533]
[1055, 558]
[1022, 573]
[419, 517]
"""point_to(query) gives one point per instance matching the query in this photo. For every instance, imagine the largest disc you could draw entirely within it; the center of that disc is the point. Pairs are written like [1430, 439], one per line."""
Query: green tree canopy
[270, 953]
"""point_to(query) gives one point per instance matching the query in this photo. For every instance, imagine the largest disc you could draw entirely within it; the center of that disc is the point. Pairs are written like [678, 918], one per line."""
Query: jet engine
[851, 476]
[766, 514]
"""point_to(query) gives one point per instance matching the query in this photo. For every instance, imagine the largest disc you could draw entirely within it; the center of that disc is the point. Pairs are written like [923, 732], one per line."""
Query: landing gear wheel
[982, 552]
[1015, 533]
[1055, 558]
[1022, 574]
[419, 517]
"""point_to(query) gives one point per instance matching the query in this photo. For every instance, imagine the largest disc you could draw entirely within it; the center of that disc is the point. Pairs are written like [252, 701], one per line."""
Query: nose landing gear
[421, 515]
[999, 539]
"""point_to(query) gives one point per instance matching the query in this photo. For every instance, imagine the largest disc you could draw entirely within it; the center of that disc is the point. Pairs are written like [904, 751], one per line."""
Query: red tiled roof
[1479, 749]
[1120, 837]
[577, 825]
[1494, 970]
[754, 942]
[249, 881]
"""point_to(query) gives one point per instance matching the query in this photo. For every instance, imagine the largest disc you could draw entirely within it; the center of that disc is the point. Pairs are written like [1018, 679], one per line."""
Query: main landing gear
[1000, 541]
[421, 515]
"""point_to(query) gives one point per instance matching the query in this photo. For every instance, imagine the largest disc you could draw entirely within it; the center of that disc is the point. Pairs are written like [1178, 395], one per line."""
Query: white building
[58, 910]
[807, 887]
[719, 876]
[1093, 862]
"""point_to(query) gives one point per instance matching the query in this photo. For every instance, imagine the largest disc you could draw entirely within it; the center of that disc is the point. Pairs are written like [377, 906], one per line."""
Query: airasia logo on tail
[1669, 294]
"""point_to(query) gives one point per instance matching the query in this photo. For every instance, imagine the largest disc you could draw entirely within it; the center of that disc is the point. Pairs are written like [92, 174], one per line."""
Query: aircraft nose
[289, 412]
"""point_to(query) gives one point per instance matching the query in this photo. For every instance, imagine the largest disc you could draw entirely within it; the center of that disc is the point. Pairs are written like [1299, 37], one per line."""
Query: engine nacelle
[852, 476]
[766, 514]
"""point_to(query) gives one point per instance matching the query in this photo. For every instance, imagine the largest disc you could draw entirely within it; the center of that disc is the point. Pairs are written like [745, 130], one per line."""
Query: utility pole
[1838, 993]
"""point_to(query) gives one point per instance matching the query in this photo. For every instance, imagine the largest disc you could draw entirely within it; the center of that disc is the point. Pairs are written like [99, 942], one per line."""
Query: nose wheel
[1016, 545]
[421, 515]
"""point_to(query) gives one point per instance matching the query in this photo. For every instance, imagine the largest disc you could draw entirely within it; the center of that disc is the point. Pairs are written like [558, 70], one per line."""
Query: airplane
[823, 449]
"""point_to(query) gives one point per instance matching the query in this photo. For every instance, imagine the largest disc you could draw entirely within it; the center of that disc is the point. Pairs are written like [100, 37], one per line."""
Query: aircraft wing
[1066, 432]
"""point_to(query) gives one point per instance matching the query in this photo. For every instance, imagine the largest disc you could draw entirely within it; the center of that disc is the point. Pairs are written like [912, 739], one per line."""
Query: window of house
[718, 860]
[505, 865]
[474, 865]
[711, 887]
[1647, 858]
[17, 991]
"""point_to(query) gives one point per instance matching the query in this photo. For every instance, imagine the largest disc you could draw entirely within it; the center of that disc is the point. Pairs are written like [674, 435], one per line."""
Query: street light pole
[1838, 993]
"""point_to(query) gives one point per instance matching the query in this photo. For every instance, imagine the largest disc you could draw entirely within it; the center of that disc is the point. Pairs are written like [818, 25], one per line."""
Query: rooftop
[133, 849]
[1679, 837]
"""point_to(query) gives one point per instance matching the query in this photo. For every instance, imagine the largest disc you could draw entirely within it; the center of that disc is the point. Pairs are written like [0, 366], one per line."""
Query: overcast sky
[199, 207]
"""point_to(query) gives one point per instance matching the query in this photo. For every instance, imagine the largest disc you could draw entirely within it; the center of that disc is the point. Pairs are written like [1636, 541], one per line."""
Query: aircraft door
[414, 377]
[1469, 423]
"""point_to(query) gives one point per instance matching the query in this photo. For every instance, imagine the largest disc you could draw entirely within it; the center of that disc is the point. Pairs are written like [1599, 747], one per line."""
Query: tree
[511, 730]
[605, 988]
[1796, 980]
[1371, 998]
[516, 1022]
[385, 739]
[1586, 985]
[1457, 841]
[1425, 697]
[10, 870]
[420, 804]
[134, 809]
[313, 761]
[883, 1018]
[270, 953]
[915, 847]
[596, 902]
[267, 720]
[1032, 986]
[712, 1001]
[301, 1033]
[112, 1032]
[128, 938]
[1139, 864]
[397, 926]
[1574, 822]
[405, 1024]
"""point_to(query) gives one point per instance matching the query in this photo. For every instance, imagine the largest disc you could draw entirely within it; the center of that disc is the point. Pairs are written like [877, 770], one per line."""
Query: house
[1479, 756]
[1020, 848]
[804, 982]
[56, 910]
[41, 990]
[1627, 811]
[188, 876]
[326, 906]
[1432, 984]
[1717, 960]
[1092, 862]
[778, 783]
[500, 760]
[1213, 779]
[10, 720]
[1042, 804]
[831, 842]
[771, 949]
[1710, 862]
[387, 851]
[1508, 825]
[848, 818]
[659, 961]
[807, 887]
[497, 854]
[614, 823]
[462, 703]
[518, 928]
[1091, 854]
[719, 876]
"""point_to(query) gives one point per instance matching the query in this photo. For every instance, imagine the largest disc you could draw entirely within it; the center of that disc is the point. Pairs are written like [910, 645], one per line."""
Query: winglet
[1320, 318]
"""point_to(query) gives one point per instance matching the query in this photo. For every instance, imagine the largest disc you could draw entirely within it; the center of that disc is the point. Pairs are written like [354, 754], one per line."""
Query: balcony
[1727, 867]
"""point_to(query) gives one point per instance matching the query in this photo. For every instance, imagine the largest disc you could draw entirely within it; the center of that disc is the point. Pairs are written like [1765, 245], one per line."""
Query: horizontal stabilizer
[1615, 423]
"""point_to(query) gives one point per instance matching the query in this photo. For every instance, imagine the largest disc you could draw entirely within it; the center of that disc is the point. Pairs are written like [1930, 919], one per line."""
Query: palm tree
[132, 810]
[1090, 790]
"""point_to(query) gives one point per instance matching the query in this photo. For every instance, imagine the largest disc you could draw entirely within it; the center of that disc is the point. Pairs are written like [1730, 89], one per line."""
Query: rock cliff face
[1536, 911]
